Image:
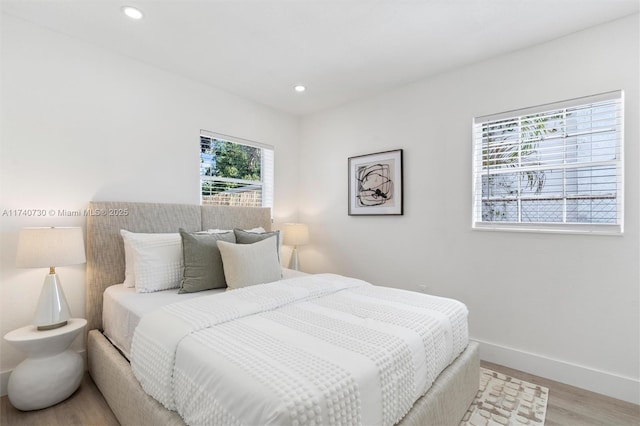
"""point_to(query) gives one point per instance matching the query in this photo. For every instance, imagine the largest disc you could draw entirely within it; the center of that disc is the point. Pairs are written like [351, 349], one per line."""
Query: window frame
[479, 170]
[267, 167]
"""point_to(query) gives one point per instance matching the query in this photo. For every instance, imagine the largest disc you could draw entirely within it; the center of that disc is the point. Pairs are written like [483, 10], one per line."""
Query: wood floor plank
[567, 406]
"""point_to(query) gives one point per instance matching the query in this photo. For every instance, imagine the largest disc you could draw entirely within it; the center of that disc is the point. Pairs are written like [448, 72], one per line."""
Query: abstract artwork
[375, 184]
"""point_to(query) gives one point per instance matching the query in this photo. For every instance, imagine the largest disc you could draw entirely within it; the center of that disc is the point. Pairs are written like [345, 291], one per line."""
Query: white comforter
[314, 350]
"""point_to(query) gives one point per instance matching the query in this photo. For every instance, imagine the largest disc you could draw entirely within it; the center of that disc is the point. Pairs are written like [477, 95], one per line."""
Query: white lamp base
[293, 262]
[53, 309]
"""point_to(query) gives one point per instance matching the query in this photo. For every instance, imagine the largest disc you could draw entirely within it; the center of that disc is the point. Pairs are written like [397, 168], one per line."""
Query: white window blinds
[556, 167]
[235, 171]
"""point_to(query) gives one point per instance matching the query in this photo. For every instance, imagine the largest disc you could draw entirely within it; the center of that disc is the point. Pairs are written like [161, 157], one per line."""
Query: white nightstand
[51, 372]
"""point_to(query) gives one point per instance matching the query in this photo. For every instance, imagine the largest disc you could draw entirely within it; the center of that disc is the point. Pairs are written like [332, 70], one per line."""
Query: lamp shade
[295, 234]
[47, 247]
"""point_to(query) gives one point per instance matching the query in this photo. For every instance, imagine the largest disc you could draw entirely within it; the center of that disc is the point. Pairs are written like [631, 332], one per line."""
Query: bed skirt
[444, 404]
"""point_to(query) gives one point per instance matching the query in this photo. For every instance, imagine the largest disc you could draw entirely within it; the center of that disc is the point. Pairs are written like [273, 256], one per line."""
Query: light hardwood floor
[567, 406]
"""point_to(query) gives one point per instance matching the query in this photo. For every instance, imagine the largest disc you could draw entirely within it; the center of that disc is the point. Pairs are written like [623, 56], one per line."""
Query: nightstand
[51, 372]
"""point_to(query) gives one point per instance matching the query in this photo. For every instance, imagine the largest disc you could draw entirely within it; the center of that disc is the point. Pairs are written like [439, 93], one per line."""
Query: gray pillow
[244, 237]
[202, 263]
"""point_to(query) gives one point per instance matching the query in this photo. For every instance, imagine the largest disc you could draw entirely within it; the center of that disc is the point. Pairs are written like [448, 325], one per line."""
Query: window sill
[567, 229]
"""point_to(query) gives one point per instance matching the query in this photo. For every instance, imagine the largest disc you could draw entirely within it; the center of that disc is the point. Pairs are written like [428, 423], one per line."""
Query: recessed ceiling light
[299, 88]
[132, 12]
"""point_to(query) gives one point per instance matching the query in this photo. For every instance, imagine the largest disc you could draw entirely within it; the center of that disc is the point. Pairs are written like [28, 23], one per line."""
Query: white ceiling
[340, 49]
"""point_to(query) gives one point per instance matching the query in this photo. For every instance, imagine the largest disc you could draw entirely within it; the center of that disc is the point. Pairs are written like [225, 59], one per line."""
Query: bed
[443, 404]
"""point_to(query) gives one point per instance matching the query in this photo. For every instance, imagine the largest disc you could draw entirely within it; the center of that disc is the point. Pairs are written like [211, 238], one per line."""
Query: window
[235, 172]
[556, 167]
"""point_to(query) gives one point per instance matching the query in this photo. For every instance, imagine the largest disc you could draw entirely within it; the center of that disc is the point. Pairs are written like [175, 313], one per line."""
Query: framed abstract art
[375, 184]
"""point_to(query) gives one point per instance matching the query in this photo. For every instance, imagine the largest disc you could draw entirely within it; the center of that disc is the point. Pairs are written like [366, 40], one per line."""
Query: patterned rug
[504, 400]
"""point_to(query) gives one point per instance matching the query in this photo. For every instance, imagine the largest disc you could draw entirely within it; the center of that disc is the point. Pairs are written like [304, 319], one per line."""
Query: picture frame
[375, 184]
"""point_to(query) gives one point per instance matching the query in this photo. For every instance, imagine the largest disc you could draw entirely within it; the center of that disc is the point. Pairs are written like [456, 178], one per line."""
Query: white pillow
[250, 264]
[154, 260]
[129, 276]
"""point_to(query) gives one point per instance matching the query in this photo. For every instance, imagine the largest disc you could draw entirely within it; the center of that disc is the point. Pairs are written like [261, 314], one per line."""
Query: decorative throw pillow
[156, 258]
[250, 264]
[250, 237]
[202, 264]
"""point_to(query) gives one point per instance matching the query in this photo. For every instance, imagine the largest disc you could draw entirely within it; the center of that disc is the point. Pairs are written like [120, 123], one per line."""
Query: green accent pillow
[202, 263]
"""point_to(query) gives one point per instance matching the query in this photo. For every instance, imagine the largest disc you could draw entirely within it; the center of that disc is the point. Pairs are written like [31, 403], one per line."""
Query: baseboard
[4, 375]
[613, 385]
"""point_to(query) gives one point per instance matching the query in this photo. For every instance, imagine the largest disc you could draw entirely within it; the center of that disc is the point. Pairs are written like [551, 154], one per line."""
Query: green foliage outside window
[230, 160]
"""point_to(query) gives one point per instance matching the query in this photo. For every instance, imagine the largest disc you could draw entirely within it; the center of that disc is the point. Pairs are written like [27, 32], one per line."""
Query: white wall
[80, 123]
[562, 306]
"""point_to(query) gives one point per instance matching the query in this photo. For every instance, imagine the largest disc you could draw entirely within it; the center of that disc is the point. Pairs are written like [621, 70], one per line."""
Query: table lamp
[50, 247]
[295, 234]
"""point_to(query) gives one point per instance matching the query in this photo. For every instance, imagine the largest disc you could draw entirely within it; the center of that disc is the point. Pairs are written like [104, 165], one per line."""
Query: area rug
[505, 400]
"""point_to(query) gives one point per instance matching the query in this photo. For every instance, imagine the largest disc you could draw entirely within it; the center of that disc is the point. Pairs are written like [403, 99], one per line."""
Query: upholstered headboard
[105, 250]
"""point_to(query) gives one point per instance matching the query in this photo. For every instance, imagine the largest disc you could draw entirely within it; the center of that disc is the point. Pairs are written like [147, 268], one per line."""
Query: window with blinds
[235, 172]
[556, 167]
